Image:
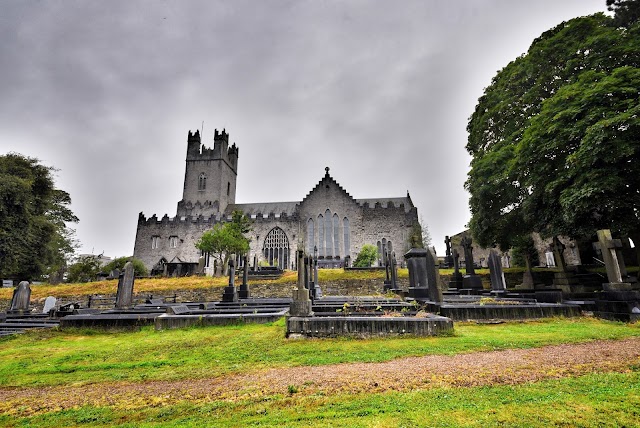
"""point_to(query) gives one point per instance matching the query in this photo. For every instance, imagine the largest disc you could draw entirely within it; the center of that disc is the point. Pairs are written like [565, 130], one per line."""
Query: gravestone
[7, 283]
[387, 274]
[124, 295]
[316, 292]
[49, 303]
[347, 261]
[448, 257]
[416, 259]
[551, 262]
[433, 276]
[394, 272]
[301, 304]
[244, 292]
[230, 293]
[201, 263]
[563, 280]
[612, 257]
[456, 278]
[470, 281]
[115, 274]
[495, 271]
[506, 260]
[20, 299]
[620, 297]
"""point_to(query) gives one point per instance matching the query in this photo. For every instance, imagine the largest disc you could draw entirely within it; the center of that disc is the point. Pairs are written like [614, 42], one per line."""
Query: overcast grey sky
[379, 91]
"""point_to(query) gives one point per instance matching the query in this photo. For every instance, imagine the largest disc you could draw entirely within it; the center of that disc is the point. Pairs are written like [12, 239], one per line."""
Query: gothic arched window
[202, 181]
[347, 236]
[276, 248]
[311, 238]
[321, 236]
[328, 235]
[336, 236]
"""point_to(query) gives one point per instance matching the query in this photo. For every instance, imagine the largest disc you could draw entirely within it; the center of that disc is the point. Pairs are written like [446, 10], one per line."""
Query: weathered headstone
[244, 292]
[230, 293]
[456, 278]
[115, 274]
[21, 297]
[394, 271]
[564, 280]
[417, 263]
[551, 262]
[49, 303]
[201, 263]
[301, 304]
[495, 271]
[7, 283]
[124, 295]
[470, 281]
[387, 266]
[433, 277]
[506, 260]
[558, 253]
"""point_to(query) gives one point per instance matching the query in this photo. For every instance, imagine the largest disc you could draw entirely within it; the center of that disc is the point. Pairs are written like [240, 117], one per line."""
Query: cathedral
[327, 221]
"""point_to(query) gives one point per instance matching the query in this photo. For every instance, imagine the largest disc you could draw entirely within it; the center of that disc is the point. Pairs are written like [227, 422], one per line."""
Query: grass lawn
[69, 358]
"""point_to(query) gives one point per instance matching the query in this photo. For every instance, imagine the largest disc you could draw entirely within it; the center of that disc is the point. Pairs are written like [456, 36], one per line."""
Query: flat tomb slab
[358, 326]
[470, 312]
[107, 320]
[168, 321]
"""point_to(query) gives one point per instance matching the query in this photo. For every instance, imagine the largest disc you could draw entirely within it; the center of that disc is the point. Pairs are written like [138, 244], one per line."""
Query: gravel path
[512, 366]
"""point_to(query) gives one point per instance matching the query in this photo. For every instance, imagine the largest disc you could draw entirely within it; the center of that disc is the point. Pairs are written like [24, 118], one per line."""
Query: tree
[426, 235]
[85, 269]
[627, 12]
[226, 239]
[118, 263]
[33, 217]
[367, 255]
[537, 145]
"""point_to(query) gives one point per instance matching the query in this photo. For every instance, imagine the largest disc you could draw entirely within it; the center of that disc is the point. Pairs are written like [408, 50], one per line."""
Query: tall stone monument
[470, 281]
[124, 295]
[230, 293]
[455, 283]
[244, 292]
[301, 305]
[423, 279]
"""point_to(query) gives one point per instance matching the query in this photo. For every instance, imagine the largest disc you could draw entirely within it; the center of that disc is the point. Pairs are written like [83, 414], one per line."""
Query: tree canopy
[226, 239]
[34, 237]
[554, 138]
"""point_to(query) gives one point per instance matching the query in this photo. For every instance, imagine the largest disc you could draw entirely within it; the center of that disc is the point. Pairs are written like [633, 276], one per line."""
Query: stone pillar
[393, 268]
[244, 293]
[124, 296]
[230, 292]
[301, 304]
[21, 298]
[387, 276]
[200, 266]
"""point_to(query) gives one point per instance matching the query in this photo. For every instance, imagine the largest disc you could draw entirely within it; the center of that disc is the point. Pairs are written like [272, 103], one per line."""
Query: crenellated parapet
[166, 220]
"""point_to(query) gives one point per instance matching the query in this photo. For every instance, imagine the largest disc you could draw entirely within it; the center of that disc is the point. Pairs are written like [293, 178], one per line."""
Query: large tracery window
[328, 235]
[321, 236]
[202, 181]
[276, 248]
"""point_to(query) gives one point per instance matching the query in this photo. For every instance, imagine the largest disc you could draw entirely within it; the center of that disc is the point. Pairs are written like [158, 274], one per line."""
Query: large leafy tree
[551, 123]
[33, 218]
[226, 239]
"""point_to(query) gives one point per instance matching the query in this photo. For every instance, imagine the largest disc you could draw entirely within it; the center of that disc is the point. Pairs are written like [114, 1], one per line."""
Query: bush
[366, 256]
[119, 262]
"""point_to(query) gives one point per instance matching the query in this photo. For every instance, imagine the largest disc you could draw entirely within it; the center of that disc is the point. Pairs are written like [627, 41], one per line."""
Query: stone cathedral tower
[210, 176]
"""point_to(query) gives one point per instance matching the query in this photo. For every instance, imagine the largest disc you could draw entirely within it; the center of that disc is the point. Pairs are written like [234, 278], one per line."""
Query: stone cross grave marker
[558, 253]
[230, 293]
[612, 255]
[301, 304]
[467, 243]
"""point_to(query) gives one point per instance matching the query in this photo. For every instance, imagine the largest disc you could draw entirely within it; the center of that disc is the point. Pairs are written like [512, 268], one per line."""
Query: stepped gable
[325, 180]
[266, 208]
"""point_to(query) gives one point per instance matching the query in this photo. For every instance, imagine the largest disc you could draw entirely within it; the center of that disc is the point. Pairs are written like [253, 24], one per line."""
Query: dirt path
[474, 369]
